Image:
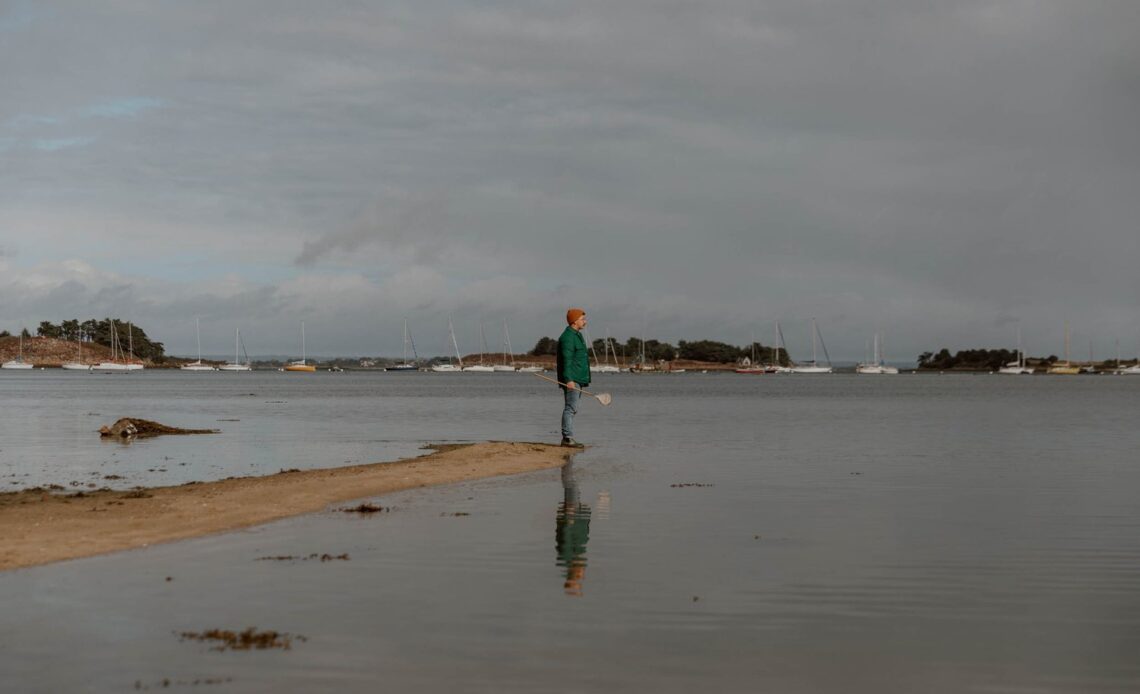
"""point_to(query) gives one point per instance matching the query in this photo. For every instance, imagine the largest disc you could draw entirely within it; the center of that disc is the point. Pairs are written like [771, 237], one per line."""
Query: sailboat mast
[814, 361]
[303, 355]
[780, 344]
[1066, 343]
[405, 341]
[507, 335]
[198, 334]
[451, 330]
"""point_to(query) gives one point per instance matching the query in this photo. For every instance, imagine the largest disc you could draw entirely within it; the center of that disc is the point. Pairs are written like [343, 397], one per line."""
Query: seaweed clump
[246, 640]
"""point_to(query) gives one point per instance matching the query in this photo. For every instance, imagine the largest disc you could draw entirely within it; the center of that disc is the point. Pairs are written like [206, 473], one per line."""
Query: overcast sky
[940, 172]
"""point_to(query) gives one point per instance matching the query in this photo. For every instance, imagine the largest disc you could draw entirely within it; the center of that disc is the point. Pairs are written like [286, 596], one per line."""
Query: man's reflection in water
[571, 532]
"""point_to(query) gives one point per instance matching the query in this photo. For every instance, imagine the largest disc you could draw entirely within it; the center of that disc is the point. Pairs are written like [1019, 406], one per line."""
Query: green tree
[48, 329]
[710, 350]
[545, 346]
[69, 329]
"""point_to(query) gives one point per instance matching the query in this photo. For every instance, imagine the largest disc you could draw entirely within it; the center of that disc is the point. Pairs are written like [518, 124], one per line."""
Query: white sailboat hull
[1015, 370]
[1130, 371]
[235, 367]
[15, 365]
[480, 369]
[531, 369]
[504, 368]
[445, 368]
[810, 370]
[875, 369]
[196, 367]
[73, 366]
[110, 367]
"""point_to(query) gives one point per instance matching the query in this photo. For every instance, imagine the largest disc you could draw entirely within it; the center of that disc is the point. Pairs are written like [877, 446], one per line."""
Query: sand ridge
[40, 528]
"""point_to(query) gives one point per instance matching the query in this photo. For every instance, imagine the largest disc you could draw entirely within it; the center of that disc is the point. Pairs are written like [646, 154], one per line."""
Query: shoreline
[42, 528]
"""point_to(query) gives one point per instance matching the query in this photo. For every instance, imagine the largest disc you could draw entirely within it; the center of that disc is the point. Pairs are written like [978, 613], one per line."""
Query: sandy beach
[42, 527]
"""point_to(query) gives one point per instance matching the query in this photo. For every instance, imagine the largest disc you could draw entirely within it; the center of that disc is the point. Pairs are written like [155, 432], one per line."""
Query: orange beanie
[574, 314]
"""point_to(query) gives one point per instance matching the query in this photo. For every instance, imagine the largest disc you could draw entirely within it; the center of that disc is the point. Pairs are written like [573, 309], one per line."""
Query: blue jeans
[573, 395]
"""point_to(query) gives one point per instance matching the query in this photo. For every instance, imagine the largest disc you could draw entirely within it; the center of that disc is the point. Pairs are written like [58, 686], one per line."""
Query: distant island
[994, 359]
[55, 344]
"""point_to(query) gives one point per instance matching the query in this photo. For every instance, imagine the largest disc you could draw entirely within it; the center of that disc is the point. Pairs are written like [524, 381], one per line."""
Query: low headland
[41, 527]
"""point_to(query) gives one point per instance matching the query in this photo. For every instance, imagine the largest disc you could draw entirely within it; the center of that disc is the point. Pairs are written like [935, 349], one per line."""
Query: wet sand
[40, 527]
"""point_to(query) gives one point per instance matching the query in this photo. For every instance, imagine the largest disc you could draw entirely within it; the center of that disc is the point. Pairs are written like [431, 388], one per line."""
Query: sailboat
[814, 367]
[78, 365]
[18, 362]
[303, 364]
[237, 364]
[197, 365]
[776, 367]
[598, 367]
[1017, 367]
[449, 367]
[406, 365]
[1067, 368]
[132, 365]
[481, 367]
[1090, 368]
[876, 365]
[113, 366]
[753, 367]
[1133, 370]
[508, 355]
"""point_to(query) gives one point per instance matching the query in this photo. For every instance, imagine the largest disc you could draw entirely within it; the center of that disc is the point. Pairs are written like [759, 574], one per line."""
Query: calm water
[842, 533]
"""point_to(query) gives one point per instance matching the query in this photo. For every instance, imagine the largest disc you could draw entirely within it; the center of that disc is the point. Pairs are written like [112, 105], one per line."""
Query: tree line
[654, 350]
[973, 359]
[99, 332]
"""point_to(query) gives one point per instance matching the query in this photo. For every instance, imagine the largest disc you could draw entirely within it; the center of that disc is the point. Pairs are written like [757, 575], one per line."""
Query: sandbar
[40, 527]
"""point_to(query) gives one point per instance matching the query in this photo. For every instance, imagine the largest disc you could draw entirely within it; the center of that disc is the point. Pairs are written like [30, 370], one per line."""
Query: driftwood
[128, 427]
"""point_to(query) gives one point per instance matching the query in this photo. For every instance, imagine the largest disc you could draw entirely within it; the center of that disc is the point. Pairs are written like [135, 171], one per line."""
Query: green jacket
[573, 359]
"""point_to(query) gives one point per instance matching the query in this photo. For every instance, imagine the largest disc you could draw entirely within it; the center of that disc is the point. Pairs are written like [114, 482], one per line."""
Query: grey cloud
[933, 169]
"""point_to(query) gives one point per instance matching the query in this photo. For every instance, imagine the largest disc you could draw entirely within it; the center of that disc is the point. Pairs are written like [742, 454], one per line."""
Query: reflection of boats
[406, 365]
[237, 364]
[18, 362]
[197, 365]
[1067, 368]
[303, 364]
[876, 365]
[814, 367]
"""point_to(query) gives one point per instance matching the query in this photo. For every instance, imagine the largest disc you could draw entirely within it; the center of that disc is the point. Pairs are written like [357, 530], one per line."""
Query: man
[573, 371]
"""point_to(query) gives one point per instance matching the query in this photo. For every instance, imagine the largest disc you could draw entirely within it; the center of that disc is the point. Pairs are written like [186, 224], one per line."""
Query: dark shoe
[571, 443]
